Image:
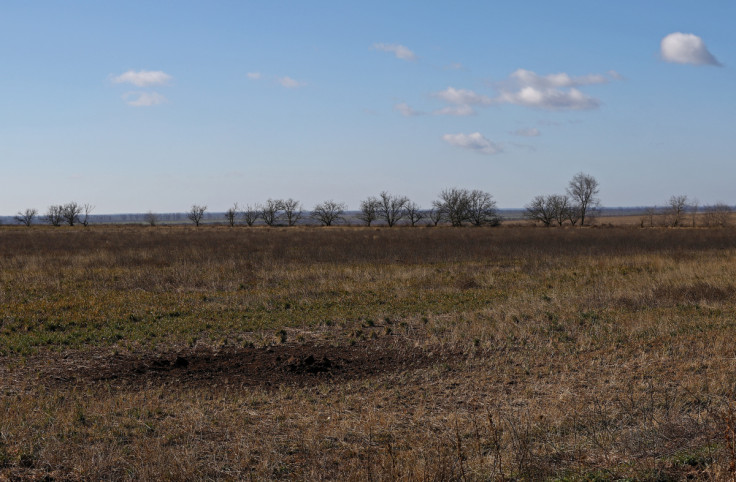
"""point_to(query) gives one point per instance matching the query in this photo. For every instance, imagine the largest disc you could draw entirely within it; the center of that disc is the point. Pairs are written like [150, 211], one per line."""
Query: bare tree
[368, 210]
[231, 214]
[151, 218]
[583, 189]
[85, 209]
[676, 211]
[453, 205]
[435, 215]
[414, 213]
[26, 217]
[717, 214]
[70, 212]
[271, 211]
[55, 215]
[292, 211]
[196, 213]
[251, 214]
[561, 208]
[541, 209]
[328, 212]
[391, 207]
[481, 208]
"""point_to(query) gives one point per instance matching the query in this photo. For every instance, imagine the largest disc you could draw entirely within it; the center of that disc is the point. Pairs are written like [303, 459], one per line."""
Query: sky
[140, 106]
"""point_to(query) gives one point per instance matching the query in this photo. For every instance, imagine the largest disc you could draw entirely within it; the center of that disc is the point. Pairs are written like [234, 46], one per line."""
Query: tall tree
[196, 213]
[328, 212]
[391, 207]
[368, 210]
[26, 217]
[583, 190]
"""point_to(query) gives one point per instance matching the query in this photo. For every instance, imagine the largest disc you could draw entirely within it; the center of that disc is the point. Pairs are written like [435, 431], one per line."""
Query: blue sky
[136, 106]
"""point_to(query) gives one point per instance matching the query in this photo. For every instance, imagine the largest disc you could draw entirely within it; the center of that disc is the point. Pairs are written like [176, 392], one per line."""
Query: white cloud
[144, 99]
[686, 48]
[462, 110]
[550, 92]
[462, 97]
[289, 83]
[406, 110]
[615, 75]
[400, 51]
[525, 77]
[142, 78]
[475, 142]
[455, 66]
[254, 75]
[527, 132]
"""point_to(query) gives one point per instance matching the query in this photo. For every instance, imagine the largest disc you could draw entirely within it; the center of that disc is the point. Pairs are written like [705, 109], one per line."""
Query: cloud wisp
[406, 110]
[527, 132]
[289, 83]
[143, 78]
[686, 48]
[143, 99]
[475, 142]
[399, 51]
[254, 75]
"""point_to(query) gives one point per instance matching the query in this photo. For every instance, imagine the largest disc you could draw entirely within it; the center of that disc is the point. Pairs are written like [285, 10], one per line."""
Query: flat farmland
[345, 353]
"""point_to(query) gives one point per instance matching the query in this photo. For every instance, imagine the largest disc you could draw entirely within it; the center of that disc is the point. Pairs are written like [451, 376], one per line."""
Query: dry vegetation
[355, 353]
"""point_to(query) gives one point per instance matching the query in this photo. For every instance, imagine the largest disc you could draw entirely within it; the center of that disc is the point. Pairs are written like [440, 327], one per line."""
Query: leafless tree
[583, 189]
[55, 215]
[85, 209]
[271, 211]
[328, 212]
[196, 213]
[541, 209]
[151, 218]
[717, 214]
[481, 208]
[70, 212]
[251, 214]
[677, 207]
[435, 215]
[368, 210]
[391, 207]
[561, 208]
[414, 213]
[453, 205]
[292, 211]
[231, 214]
[26, 217]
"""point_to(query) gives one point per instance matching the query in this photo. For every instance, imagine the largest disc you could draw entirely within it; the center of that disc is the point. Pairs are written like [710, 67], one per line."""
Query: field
[171, 353]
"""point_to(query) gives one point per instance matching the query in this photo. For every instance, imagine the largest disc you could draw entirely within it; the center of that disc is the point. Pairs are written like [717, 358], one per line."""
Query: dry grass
[572, 354]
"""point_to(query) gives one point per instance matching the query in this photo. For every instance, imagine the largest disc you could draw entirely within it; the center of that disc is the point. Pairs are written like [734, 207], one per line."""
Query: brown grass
[529, 353]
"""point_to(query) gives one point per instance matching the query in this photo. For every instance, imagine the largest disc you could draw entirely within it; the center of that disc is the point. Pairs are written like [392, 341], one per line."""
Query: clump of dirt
[295, 364]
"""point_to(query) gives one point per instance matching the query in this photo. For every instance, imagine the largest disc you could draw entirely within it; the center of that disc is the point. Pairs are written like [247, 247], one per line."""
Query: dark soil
[288, 364]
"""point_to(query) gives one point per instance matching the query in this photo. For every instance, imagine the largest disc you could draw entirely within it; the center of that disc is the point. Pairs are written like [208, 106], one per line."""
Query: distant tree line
[579, 205]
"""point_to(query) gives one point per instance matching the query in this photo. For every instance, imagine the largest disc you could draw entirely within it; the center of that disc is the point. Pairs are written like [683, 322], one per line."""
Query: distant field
[174, 352]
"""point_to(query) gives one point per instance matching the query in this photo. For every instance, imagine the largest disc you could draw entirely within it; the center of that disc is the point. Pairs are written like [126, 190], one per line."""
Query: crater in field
[296, 364]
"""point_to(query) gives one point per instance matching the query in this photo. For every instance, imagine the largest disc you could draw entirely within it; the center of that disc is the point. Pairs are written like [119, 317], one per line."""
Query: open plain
[349, 353]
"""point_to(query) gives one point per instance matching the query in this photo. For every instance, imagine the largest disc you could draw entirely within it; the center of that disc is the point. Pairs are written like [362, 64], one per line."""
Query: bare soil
[274, 366]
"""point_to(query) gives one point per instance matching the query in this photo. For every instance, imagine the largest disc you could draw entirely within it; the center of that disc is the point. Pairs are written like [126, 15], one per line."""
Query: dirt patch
[295, 364]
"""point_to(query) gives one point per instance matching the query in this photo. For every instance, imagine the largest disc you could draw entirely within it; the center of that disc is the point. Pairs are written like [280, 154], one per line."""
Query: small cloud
[406, 110]
[400, 51]
[615, 75]
[550, 92]
[462, 110]
[686, 48]
[144, 99]
[462, 97]
[254, 75]
[475, 142]
[527, 132]
[142, 78]
[289, 83]
[455, 66]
